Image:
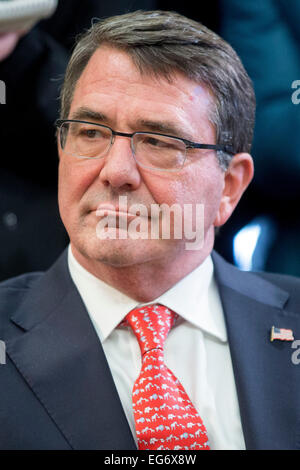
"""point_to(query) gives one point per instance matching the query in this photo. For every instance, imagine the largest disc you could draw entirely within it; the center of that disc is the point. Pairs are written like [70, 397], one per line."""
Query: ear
[236, 179]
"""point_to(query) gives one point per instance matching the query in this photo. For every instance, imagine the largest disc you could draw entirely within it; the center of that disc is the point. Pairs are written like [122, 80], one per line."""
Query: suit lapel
[62, 360]
[266, 379]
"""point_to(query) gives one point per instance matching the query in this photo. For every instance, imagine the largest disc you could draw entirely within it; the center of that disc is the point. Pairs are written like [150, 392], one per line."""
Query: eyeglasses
[83, 139]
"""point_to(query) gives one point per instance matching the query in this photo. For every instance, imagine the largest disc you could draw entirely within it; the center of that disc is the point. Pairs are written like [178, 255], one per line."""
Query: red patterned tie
[165, 418]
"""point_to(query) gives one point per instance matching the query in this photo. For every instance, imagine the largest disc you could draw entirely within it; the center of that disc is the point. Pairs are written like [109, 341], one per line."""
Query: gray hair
[161, 43]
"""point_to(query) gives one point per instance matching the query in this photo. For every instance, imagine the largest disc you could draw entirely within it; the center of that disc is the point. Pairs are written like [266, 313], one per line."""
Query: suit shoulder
[21, 282]
[12, 292]
[285, 281]
[269, 288]
[290, 284]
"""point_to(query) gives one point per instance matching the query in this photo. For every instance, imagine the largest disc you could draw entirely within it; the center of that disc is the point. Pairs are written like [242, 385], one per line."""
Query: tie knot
[151, 325]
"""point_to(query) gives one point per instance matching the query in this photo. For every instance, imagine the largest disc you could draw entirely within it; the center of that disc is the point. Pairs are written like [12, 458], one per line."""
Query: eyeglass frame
[188, 143]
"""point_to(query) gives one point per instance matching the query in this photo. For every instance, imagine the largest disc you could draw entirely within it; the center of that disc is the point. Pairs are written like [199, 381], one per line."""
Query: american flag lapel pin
[282, 334]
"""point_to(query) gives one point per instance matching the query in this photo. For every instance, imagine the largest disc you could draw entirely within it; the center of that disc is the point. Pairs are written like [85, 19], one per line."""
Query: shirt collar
[195, 298]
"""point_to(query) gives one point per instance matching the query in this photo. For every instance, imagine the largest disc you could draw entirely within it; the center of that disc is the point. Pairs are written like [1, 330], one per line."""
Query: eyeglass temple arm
[223, 148]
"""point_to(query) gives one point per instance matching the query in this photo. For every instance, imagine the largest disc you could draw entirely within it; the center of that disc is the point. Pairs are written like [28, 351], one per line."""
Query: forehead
[112, 83]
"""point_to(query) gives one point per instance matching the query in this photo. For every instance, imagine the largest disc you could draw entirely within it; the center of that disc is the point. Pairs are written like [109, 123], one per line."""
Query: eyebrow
[164, 127]
[84, 113]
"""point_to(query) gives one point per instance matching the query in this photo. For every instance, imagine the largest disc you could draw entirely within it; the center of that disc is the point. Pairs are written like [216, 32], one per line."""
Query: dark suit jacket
[57, 391]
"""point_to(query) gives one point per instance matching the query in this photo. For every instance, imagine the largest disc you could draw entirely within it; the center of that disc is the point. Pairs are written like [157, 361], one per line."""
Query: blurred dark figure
[31, 233]
[266, 35]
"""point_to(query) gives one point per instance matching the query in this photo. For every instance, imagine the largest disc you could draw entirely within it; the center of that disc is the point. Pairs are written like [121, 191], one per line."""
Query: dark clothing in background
[266, 36]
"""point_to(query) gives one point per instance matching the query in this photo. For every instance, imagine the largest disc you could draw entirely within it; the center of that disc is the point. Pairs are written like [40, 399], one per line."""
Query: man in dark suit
[157, 112]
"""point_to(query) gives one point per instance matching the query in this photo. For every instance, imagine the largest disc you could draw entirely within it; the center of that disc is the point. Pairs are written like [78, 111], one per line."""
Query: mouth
[111, 210]
[114, 212]
[134, 219]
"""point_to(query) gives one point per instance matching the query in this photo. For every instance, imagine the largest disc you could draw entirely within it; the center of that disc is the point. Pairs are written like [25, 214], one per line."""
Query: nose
[119, 169]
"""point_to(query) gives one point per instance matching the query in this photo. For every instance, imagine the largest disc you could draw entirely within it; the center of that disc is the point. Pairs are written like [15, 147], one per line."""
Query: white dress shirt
[196, 349]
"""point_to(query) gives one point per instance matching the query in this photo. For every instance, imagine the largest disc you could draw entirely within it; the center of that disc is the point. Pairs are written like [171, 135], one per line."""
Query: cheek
[74, 179]
[212, 200]
[205, 187]
[167, 188]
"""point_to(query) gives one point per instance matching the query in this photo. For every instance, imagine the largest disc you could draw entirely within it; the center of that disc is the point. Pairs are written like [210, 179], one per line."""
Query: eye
[91, 133]
[157, 142]
[152, 141]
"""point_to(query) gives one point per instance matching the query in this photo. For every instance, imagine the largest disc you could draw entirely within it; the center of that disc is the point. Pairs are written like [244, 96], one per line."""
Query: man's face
[129, 102]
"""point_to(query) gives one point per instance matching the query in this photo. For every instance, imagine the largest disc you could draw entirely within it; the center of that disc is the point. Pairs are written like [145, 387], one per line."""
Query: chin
[122, 253]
